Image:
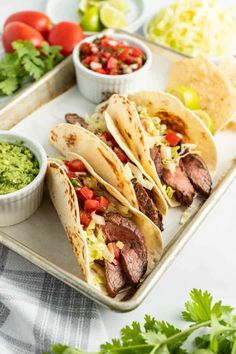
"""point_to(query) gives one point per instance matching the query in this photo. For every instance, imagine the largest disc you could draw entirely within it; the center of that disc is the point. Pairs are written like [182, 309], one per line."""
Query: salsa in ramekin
[109, 56]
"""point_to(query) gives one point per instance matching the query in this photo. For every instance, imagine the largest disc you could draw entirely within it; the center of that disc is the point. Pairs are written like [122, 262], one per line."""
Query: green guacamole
[18, 167]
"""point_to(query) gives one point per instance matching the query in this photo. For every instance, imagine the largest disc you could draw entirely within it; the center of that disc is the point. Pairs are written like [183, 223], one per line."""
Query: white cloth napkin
[37, 310]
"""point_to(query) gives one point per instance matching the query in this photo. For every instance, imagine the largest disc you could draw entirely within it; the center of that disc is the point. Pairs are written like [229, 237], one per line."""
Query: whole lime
[90, 21]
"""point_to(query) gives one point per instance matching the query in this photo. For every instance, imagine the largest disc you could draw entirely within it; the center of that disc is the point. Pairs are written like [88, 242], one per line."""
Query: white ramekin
[20, 205]
[92, 85]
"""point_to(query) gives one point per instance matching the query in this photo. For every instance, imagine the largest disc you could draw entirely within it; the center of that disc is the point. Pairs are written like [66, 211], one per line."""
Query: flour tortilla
[215, 90]
[65, 202]
[173, 113]
[67, 137]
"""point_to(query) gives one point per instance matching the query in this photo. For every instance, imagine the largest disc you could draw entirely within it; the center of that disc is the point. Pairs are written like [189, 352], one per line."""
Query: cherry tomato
[17, 30]
[38, 20]
[75, 166]
[66, 35]
[172, 138]
[84, 193]
[123, 54]
[85, 218]
[103, 203]
[91, 205]
[123, 158]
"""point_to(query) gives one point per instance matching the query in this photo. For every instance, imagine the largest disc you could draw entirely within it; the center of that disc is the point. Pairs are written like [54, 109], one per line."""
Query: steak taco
[115, 245]
[216, 93]
[169, 141]
[112, 160]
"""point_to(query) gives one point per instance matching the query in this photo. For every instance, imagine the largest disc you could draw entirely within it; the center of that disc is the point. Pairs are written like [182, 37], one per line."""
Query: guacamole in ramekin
[18, 167]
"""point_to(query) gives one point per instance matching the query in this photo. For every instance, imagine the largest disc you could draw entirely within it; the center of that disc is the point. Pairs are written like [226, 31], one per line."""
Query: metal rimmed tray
[41, 239]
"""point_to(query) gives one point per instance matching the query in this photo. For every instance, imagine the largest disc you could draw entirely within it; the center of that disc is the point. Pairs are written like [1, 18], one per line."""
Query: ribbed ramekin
[20, 205]
[93, 85]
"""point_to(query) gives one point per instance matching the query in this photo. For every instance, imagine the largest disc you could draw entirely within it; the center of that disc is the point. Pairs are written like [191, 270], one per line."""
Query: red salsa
[109, 56]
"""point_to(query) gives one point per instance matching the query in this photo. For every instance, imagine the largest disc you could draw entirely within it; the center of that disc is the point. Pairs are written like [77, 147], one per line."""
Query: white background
[209, 259]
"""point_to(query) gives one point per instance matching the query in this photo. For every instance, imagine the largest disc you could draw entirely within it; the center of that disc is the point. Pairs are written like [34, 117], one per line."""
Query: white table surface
[207, 262]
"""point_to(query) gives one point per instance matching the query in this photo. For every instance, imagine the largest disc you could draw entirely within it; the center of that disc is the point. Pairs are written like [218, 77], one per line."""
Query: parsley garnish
[26, 64]
[160, 337]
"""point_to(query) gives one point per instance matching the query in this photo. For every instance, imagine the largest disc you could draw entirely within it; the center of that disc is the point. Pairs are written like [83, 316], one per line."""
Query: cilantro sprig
[160, 337]
[26, 64]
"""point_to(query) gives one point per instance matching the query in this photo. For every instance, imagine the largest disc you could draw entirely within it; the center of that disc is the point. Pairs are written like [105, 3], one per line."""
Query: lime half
[119, 5]
[111, 17]
[90, 21]
[206, 119]
[83, 5]
[186, 95]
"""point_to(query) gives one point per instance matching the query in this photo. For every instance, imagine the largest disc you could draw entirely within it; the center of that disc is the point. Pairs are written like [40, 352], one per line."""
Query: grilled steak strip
[73, 118]
[155, 153]
[147, 205]
[134, 253]
[184, 191]
[115, 278]
[198, 174]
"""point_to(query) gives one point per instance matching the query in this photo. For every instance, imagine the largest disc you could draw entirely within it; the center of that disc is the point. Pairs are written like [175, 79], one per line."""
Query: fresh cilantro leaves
[160, 337]
[26, 64]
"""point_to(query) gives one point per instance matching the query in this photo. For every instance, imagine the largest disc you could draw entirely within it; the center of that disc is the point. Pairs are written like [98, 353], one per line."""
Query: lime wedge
[186, 95]
[83, 5]
[119, 5]
[206, 119]
[90, 21]
[111, 17]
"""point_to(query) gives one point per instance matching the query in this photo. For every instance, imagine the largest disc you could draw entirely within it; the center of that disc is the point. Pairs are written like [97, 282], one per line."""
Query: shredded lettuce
[97, 246]
[97, 123]
[133, 172]
[195, 27]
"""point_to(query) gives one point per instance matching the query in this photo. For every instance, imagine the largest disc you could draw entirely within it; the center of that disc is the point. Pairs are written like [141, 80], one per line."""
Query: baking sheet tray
[41, 239]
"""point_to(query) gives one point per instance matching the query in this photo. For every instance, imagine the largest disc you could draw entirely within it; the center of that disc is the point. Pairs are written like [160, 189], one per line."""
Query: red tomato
[103, 203]
[85, 49]
[123, 158]
[91, 205]
[75, 166]
[172, 138]
[105, 54]
[131, 60]
[108, 137]
[114, 249]
[85, 218]
[112, 63]
[100, 71]
[71, 175]
[66, 35]
[84, 193]
[135, 52]
[38, 20]
[124, 54]
[17, 30]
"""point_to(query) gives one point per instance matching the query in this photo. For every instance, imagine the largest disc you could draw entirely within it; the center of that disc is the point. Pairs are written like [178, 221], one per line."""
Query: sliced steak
[134, 253]
[115, 278]
[73, 118]
[198, 173]
[184, 191]
[155, 153]
[147, 205]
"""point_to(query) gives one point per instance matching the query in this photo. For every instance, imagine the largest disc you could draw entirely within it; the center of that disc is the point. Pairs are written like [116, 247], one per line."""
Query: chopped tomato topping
[91, 205]
[108, 137]
[84, 193]
[103, 203]
[121, 155]
[100, 71]
[114, 249]
[135, 52]
[85, 48]
[76, 166]
[172, 138]
[123, 53]
[85, 218]
[71, 175]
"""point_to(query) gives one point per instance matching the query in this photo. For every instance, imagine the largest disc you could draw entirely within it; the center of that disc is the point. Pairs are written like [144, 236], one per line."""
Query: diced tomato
[100, 71]
[108, 137]
[105, 54]
[135, 52]
[172, 138]
[114, 249]
[84, 193]
[91, 205]
[123, 53]
[131, 60]
[85, 49]
[71, 175]
[85, 218]
[76, 166]
[139, 61]
[89, 59]
[103, 203]
[121, 155]
[112, 63]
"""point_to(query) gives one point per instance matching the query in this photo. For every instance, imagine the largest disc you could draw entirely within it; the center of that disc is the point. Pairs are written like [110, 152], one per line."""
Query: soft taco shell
[173, 113]
[216, 93]
[65, 201]
[73, 138]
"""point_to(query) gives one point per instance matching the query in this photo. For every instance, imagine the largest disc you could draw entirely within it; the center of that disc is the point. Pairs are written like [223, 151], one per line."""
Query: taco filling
[114, 241]
[180, 168]
[142, 186]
